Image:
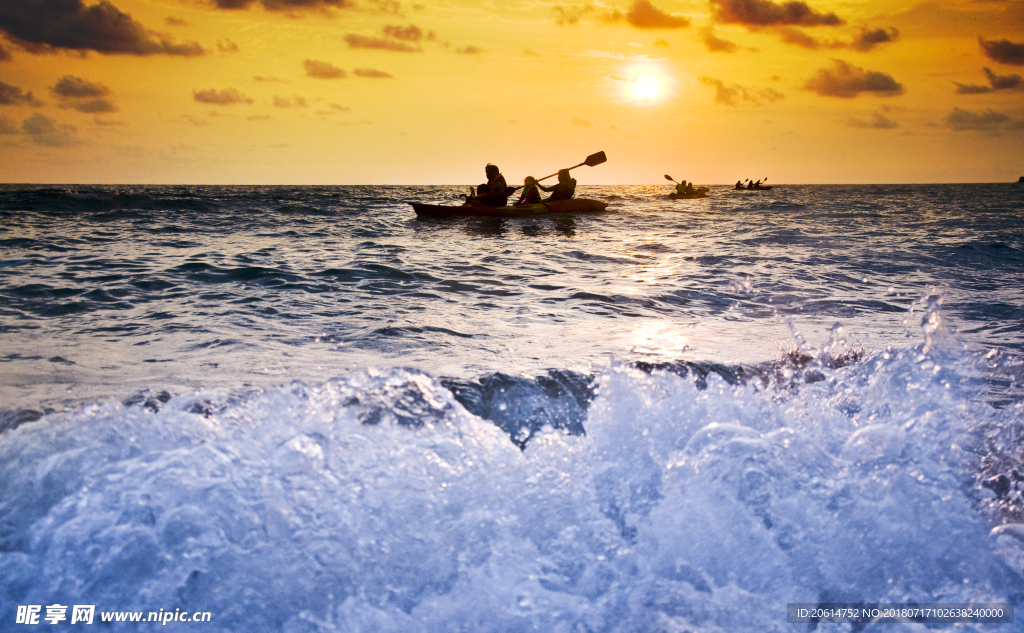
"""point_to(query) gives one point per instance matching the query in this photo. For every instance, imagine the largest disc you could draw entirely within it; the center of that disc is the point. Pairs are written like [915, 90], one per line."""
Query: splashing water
[379, 503]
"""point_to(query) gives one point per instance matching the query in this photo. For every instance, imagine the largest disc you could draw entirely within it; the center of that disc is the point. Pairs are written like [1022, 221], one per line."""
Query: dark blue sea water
[303, 409]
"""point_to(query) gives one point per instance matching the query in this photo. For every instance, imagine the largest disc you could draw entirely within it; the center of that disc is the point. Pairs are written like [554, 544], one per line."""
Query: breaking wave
[640, 499]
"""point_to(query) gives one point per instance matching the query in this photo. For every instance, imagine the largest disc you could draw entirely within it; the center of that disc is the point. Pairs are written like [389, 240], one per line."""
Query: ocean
[303, 409]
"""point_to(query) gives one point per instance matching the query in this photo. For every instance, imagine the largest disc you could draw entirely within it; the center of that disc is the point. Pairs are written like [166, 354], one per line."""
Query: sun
[646, 83]
[645, 88]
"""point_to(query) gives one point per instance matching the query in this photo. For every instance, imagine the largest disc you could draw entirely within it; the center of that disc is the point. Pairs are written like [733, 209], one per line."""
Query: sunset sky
[428, 91]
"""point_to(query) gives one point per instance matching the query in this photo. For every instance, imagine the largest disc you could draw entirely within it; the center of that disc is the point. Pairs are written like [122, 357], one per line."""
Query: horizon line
[653, 184]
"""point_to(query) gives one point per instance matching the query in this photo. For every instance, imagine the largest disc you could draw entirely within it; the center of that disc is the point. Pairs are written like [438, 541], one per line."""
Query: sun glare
[646, 83]
[645, 88]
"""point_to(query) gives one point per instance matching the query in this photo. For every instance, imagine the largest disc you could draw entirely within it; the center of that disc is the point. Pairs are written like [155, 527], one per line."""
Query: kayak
[576, 205]
[699, 193]
[761, 188]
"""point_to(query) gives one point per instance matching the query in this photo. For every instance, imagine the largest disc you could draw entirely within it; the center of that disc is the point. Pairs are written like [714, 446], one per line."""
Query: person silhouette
[564, 189]
[496, 194]
[530, 193]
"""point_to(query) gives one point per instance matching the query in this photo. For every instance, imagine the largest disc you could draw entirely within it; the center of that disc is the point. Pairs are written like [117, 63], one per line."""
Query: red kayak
[577, 205]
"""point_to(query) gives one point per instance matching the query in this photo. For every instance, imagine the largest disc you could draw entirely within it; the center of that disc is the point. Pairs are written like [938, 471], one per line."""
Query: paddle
[592, 161]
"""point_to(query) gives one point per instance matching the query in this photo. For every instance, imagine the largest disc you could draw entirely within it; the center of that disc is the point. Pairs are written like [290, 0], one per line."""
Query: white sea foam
[377, 503]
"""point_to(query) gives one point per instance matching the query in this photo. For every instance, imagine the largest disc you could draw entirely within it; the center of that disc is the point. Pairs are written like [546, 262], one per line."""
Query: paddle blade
[595, 159]
[667, 177]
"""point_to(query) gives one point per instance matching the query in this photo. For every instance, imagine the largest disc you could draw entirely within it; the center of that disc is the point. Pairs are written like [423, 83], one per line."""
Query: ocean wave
[386, 502]
[107, 202]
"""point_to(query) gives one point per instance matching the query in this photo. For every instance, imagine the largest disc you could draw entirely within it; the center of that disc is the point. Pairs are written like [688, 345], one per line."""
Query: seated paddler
[530, 193]
[564, 189]
[496, 190]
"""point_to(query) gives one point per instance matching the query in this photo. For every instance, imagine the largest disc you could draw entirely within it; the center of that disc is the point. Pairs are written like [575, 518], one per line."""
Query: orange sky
[427, 92]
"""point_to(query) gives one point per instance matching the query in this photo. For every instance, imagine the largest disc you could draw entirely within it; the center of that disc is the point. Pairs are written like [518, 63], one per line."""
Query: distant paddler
[751, 185]
[682, 188]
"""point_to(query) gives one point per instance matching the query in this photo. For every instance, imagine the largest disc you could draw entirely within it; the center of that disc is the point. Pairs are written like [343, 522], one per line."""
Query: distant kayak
[578, 205]
[762, 188]
[699, 193]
